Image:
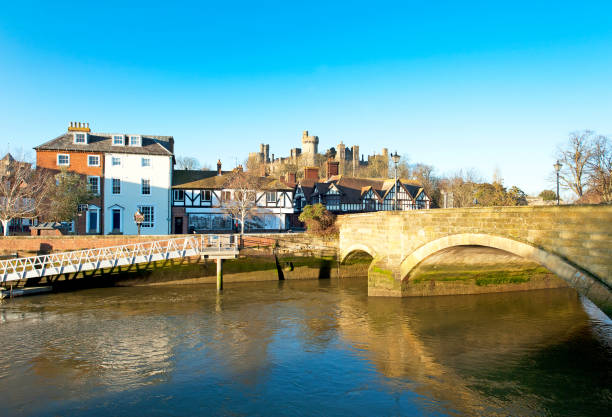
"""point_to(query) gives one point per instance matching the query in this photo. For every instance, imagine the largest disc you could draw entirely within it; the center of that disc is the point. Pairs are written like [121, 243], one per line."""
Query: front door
[93, 221]
[116, 220]
[178, 225]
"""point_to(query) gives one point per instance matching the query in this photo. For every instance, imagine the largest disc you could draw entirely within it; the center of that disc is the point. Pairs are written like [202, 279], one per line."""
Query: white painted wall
[131, 172]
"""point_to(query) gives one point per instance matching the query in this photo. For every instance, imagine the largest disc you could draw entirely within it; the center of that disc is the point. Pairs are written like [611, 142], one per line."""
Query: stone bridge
[574, 242]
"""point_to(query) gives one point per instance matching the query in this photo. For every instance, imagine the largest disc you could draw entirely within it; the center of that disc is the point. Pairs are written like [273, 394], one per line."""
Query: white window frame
[135, 140]
[113, 186]
[89, 164]
[76, 135]
[176, 193]
[67, 155]
[145, 224]
[122, 137]
[268, 194]
[142, 184]
[97, 192]
[148, 162]
[113, 161]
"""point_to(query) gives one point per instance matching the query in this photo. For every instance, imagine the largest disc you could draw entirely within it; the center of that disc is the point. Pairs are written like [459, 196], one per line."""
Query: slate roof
[187, 180]
[102, 142]
[353, 189]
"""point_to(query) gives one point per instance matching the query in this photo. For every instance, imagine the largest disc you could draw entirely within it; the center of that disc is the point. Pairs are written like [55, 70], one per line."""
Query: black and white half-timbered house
[201, 203]
[342, 195]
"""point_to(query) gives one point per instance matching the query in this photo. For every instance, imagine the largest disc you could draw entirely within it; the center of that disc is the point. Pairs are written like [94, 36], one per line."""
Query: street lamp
[396, 159]
[557, 169]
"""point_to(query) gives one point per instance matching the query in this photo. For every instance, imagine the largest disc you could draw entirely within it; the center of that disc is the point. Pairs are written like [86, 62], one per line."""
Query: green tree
[69, 192]
[318, 220]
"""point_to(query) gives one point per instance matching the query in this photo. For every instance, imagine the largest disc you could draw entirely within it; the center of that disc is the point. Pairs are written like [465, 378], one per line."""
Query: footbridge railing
[124, 255]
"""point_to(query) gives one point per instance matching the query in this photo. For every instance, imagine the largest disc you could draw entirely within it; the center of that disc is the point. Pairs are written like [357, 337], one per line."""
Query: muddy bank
[477, 270]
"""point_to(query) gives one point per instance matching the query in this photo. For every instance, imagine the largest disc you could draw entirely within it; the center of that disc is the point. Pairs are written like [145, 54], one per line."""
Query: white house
[138, 177]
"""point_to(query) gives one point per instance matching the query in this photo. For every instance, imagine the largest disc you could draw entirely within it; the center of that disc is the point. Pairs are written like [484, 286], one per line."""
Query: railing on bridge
[111, 257]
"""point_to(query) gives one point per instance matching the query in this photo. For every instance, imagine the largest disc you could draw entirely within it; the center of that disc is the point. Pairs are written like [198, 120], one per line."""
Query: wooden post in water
[219, 274]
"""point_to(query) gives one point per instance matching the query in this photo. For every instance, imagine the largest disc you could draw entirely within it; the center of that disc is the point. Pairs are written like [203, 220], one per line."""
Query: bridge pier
[219, 274]
[384, 279]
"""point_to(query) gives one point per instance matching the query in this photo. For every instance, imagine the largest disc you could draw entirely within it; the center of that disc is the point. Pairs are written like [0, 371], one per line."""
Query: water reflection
[266, 348]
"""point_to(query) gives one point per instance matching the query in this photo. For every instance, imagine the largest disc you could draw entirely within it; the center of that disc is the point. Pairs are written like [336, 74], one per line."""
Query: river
[292, 348]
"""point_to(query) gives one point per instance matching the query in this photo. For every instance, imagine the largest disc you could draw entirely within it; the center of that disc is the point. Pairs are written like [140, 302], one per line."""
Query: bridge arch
[582, 281]
[357, 247]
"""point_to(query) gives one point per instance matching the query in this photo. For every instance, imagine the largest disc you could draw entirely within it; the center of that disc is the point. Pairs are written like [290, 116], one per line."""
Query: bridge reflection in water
[280, 347]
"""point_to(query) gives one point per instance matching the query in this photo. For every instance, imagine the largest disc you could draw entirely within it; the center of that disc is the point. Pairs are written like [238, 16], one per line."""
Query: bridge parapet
[575, 242]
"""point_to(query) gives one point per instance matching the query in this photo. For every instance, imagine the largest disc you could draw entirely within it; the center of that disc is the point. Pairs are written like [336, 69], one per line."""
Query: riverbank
[273, 257]
[477, 270]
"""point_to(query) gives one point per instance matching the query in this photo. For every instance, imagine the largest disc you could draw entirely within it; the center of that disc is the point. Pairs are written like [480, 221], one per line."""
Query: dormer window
[80, 138]
[117, 140]
[135, 141]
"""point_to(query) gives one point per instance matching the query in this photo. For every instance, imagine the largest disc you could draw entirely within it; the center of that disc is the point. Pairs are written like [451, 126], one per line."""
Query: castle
[308, 155]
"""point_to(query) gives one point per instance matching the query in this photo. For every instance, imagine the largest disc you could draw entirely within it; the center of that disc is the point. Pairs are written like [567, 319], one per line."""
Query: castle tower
[310, 147]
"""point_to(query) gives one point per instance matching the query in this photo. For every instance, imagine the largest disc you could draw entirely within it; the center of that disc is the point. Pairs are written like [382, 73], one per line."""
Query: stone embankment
[279, 256]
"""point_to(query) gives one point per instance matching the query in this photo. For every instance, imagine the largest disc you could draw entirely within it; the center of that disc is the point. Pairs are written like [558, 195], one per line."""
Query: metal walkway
[209, 246]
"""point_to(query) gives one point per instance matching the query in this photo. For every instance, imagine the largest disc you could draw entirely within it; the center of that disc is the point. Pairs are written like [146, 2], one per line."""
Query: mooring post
[219, 274]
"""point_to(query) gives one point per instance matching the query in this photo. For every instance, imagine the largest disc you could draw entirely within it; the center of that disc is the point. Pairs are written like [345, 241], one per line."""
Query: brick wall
[12, 244]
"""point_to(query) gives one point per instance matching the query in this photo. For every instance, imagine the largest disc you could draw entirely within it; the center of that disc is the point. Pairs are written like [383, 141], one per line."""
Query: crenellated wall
[574, 242]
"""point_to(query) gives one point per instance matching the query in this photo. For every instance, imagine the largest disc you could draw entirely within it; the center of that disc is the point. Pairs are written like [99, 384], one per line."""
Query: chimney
[311, 173]
[291, 180]
[333, 168]
[219, 167]
[79, 127]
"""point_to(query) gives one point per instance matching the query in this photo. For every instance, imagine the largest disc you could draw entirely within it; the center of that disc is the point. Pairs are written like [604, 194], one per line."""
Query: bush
[548, 195]
[318, 220]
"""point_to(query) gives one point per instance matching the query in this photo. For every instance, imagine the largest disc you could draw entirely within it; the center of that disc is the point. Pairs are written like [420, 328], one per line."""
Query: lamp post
[396, 159]
[557, 167]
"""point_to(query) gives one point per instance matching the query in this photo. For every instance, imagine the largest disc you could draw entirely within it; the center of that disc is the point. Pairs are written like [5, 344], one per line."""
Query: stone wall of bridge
[574, 242]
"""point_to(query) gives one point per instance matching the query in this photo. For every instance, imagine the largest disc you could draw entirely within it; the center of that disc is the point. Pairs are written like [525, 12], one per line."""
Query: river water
[303, 348]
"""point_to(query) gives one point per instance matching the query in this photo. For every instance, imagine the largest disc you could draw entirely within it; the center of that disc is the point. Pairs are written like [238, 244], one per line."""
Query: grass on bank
[482, 276]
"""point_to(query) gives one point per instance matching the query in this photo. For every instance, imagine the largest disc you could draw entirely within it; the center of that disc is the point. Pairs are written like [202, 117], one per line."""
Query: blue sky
[480, 85]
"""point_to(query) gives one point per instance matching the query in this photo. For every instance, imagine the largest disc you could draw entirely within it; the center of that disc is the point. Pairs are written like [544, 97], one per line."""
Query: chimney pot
[219, 167]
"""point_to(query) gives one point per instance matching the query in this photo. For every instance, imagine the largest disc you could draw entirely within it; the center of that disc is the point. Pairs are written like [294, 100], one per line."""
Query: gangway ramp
[209, 246]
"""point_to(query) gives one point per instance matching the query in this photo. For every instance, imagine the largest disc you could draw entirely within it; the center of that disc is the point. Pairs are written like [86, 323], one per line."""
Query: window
[118, 140]
[80, 138]
[134, 140]
[63, 160]
[207, 195]
[93, 160]
[226, 196]
[145, 162]
[116, 186]
[179, 195]
[145, 186]
[116, 161]
[82, 208]
[271, 196]
[94, 184]
[149, 216]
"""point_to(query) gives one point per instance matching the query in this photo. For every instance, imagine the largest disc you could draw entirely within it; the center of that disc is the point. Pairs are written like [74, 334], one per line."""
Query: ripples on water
[303, 348]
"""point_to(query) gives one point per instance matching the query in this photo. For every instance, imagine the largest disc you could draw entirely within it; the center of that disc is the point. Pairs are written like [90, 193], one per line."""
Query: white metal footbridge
[208, 246]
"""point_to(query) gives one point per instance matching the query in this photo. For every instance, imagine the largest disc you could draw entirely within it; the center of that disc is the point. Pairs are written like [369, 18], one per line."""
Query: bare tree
[22, 191]
[244, 186]
[187, 162]
[600, 168]
[575, 160]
